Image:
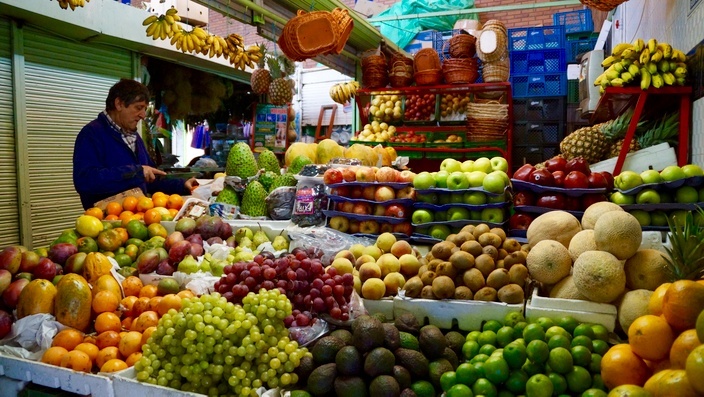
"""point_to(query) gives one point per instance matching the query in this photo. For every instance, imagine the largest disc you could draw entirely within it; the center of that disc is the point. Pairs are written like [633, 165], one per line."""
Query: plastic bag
[311, 200]
[308, 334]
[328, 240]
[280, 202]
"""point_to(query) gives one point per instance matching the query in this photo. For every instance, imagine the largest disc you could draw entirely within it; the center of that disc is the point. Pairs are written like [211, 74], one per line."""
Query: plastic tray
[583, 311]
[420, 238]
[445, 207]
[547, 84]
[394, 185]
[461, 223]
[446, 190]
[534, 209]
[340, 199]
[126, 384]
[695, 181]
[386, 219]
[519, 185]
[663, 207]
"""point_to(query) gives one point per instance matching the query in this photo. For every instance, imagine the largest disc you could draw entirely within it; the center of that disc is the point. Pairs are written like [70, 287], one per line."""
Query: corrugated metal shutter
[66, 87]
[315, 88]
[9, 217]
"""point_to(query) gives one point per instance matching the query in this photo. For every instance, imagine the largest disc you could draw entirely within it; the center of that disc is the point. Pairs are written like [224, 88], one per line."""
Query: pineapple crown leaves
[686, 257]
[665, 129]
[263, 51]
[275, 67]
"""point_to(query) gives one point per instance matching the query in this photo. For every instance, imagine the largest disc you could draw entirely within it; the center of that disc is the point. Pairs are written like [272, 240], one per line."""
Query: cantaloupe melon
[632, 305]
[594, 211]
[548, 262]
[554, 225]
[618, 233]
[565, 289]
[647, 269]
[582, 242]
[599, 276]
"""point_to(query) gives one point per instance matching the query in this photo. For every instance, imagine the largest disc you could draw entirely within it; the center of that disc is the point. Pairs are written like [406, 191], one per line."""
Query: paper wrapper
[30, 336]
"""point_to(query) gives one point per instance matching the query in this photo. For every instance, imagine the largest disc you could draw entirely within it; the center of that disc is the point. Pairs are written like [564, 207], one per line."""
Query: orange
[682, 303]
[148, 291]
[130, 343]
[170, 301]
[650, 337]
[683, 345]
[77, 361]
[152, 216]
[139, 216]
[126, 217]
[107, 354]
[126, 305]
[186, 293]
[141, 305]
[122, 232]
[131, 285]
[107, 339]
[112, 218]
[129, 203]
[113, 365]
[173, 212]
[655, 302]
[88, 348]
[107, 321]
[133, 358]
[127, 322]
[147, 333]
[620, 366]
[90, 339]
[113, 208]
[144, 321]
[160, 199]
[53, 355]
[144, 204]
[154, 302]
[695, 368]
[68, 338]
[657, 366]
[105, 301]
[175, 202]
[670, 382]
[95, 211]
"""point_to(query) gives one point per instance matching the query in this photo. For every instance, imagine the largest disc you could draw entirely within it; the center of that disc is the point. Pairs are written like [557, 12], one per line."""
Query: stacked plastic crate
[539, 81]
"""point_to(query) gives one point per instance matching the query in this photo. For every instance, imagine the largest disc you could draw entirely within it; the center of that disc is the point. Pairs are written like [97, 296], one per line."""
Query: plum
[195, 239]
[197, 250]
[225, 231]
[165, 268]
[208, 226]
[179, 251]
[46, 269]
[59, 253]
[148, 261]
[11, 295]
[172, 239]
[215, 240]
[5, 323]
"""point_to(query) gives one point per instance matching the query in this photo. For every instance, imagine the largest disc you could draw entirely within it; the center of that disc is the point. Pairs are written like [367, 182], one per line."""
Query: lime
[519, 327]
[470, 349]
[597, 382]
[539, 385]
[532, 368]
[447, 380]
[496, 370]
[134, 241]
[479, 367]
[560, 360]
[167, 286]
[497, 353]
[582, 340]
[594, 393]
[479, 358]
[423, 388]
[515, 355]
[487, 337]
[559, 383]
[569, 323]
[600, 332]
[137, 229]
[487, 349]
[87, 244]
[491, 325]
[485, 388]
[581, 356]
[459, 390]
[513, 318]
[545, 322]
[595, 363]
[505, 393]
[556, 330]
[516, 382]
[123, 260]
[466, 374]
[520, 341]
[599, 346]
[578, 380]
[584, 329]
[474, 335]
[120, 250]
[559, 341]
[538, 351]
[505, 335]
[533, 332]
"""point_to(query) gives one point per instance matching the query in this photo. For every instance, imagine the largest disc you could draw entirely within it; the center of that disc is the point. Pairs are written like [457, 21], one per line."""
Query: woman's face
[129, 116]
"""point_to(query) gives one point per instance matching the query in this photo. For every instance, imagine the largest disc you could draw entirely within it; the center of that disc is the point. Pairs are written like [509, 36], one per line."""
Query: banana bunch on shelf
[342, 92]
[64, 4]
[646, 63]
[163, 26]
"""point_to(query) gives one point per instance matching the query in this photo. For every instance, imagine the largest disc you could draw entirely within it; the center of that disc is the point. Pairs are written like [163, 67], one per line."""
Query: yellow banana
[644, 56]
[157, 31]
[664, 66]
[200, 33]
[169, 19]
[626, 77]
[645, 78]
[149, 20]
[164, 30]
[346, 90]
[167, 29]
[657, 57]
[621, 47]
[638, 45]
[652, 46]
[176, 37]
[598, 79]
[618, 66]
[617, 82]
[680, 72]
[669, 78]
[189, 42]
[657, 80]
[171, 11]
[605, 82]
[628, 53]
[608, 61]
[633, 69]
[151, 29]
[680, 81]
[666, 50]
[63, 4]
[612, 73]
[652, 67]
[352, 87]
[678, 55]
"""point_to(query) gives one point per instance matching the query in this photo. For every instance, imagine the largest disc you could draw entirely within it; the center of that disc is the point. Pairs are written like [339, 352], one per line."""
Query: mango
[36, 297]
[72, 305]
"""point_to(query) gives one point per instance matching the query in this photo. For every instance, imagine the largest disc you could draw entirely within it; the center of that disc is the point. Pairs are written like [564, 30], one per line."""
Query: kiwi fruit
[485, 263]
[434, 263]
[413, 287]
[518, 274]
[428, 277]
[480, 229]
[500, 264]
[429, 256]
[502, 253]
[472, 246]
[462, 260]
[499, 232]
[443, 287]
[511, 294]
[491, 239]
[442, 250]
[427, 292]
[497, 278]
[474, 279]
[450, 237]
[486, 294]
[511, 245]
[491, 251]
[469, 229]
[459, 238]
[514, 258]
[446, 269]
[463, 292]
[422, 269]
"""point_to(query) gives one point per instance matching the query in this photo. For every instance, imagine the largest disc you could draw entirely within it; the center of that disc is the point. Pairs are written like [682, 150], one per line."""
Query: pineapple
[615, 130]
[586, 142]
[280, 92]
[686, 257]
[648, 134]
[261, 78]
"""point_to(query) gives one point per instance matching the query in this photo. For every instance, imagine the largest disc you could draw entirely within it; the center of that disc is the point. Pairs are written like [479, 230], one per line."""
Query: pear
[188, 265]
[259, 238]
[242, 233]
[246, 242]
[280, 243]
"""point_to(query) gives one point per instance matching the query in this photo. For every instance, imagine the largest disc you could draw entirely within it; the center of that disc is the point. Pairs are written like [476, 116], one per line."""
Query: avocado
[345, 335]
[326, 348]
[379, 361]
[350, 386]
[392, 340]
[432, 342]
[380, 316]
[299, 393]
[306, 366]
[455, 341]
[349, 361]
[384, 386]
[321, 380]
[450, 355]
[436, 369]
[408, 341]
[367, 333]
[407, 322]
[414, 361]
[402, 376]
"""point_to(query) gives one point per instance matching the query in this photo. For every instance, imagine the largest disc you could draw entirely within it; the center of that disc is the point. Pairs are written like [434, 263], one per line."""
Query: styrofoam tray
[534, 209]
[471, 207]
[55, 377]
[656, 157]
[467, 314]
[384, 306]
[519, 185]
[125, 384]
[445, 190]
[584, 311]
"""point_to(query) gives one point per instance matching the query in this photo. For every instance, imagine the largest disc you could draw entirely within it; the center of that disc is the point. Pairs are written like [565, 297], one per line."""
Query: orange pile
[160, 206]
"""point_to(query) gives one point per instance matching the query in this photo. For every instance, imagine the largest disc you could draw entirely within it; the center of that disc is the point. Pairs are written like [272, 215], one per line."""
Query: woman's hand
[150, 173]
[191, 184]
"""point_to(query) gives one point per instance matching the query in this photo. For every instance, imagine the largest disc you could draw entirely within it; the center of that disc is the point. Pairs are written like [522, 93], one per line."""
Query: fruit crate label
[305, 198]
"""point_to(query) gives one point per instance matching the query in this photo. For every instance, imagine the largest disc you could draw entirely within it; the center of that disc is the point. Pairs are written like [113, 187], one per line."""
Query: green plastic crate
[572, 91]
[445, 154]
[411, 154]
[486, 153]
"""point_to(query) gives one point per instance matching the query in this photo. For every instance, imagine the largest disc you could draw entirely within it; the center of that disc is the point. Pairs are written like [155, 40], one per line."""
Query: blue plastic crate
[542, 38]
[576, 47]
[574, 21]
[548, 84]
[539, 61]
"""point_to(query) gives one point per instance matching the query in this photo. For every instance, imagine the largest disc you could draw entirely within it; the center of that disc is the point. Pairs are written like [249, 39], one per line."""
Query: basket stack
[460, 70]
[462, 46]
[486, 121]
[374, 71]
[493, 51]
[400, 71]
[426, 67]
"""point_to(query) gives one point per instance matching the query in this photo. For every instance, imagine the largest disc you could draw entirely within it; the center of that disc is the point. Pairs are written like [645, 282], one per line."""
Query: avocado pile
[381, 359]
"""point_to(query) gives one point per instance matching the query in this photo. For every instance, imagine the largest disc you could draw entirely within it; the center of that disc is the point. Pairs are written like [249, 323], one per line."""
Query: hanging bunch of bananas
[241, 57]
[342, 92]
[215, 46]
[191, 41]
[163, 26]
[648, 64]
[64, 4]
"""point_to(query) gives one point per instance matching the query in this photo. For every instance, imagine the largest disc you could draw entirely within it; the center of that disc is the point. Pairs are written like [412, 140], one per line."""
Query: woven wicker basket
[501, 48]
[375, 73]
[496, 72]
[428, 77]
[460, 70]
[344, 24]
[462, 46]
[487, 121]
[603, 5]
[426, 59]
[313, 32]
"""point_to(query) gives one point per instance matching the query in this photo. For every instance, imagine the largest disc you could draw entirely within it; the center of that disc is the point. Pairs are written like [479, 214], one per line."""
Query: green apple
[457, 180]
[439, 232]
[476, 215]
[687, 194]
[628, 180]
[672, 173]
[650, 176]
[648, 196]
[499, 163]
[495, 182]
[431, 198]
[476, 178]
[499, 198]
[678, 216]
[483, 164]
[622, 199]
[658, 218]
[458, 214]
[467, 166]
[440, 216]
[474, 198]
[421, 216]
[424, 180]
[444, 198]
[692, 170]
[494, 215]
[450, 165]
[643, 217]
[457, 197]
[441, 179]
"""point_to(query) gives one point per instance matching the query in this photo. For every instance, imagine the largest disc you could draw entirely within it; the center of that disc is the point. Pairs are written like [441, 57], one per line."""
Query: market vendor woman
[109, 156]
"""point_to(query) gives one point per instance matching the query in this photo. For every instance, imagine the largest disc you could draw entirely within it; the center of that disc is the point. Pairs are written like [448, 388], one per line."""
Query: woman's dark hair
[128, 91]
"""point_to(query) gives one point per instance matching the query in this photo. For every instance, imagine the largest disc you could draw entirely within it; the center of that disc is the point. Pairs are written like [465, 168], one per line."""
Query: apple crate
[384, 99]
[449, 153]
[467, 315]
[125, 383]
[537, 133]
[584, 311]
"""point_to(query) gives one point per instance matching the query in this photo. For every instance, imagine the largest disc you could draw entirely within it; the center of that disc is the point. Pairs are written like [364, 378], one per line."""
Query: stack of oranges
[159, 207]
[121, 327]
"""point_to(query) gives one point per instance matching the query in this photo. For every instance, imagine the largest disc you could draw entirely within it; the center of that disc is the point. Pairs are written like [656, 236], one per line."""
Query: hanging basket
[309, 34]
[603, 5]
[344, 24]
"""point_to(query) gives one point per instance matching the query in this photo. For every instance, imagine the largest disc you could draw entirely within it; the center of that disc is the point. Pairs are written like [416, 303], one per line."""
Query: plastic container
[574, 21]
[583, 311]
[539, 38]
[125, 384]
[657, 157]
[548, 84]
[538, 61]
[537, 133]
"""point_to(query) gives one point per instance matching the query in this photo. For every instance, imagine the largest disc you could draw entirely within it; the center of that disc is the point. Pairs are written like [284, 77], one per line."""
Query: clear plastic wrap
[280, 202]
[328, 240]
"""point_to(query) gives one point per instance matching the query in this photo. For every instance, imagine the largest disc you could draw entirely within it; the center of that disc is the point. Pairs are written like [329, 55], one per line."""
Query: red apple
[551, 200]
[5, 323]
[332, 175]
[404, 227]
[365, 174]
[559, 177]
[406, 176]
[46, 269]
[369, 227]
[340, 223]
[523, 172]
[597, 180]
[576, 180]
[519, 221]
[355, 192]
[396, 211]
[589, 199]
[362, 209]
[348, 174]
[541, 177]
[386, 228]
[342, 191]
[347, 206]
[573, 203]
[386, 174]
[557, 163]
[524, 198]
[609, 179]
[384, 193]
[368, 192]
[578, 164]
[407, 192]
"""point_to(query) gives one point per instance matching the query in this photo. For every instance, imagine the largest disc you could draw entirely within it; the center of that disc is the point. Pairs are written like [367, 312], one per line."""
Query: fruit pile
[419, 107]
[385, 108]
[376, 132]
[408, 137]
[369, 200]
[442, 138]
[453, 107]
[159, 207]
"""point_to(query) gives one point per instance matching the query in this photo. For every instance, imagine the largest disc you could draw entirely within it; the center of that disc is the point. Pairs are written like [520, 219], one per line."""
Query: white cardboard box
[384, 306]
[467, 314]
[657, 157]
[125, 384]
[584, 311]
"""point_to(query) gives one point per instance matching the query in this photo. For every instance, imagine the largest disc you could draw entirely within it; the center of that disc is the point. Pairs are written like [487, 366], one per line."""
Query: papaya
[95, 265]
[36, 297]
[107, 282]
[72, 305]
